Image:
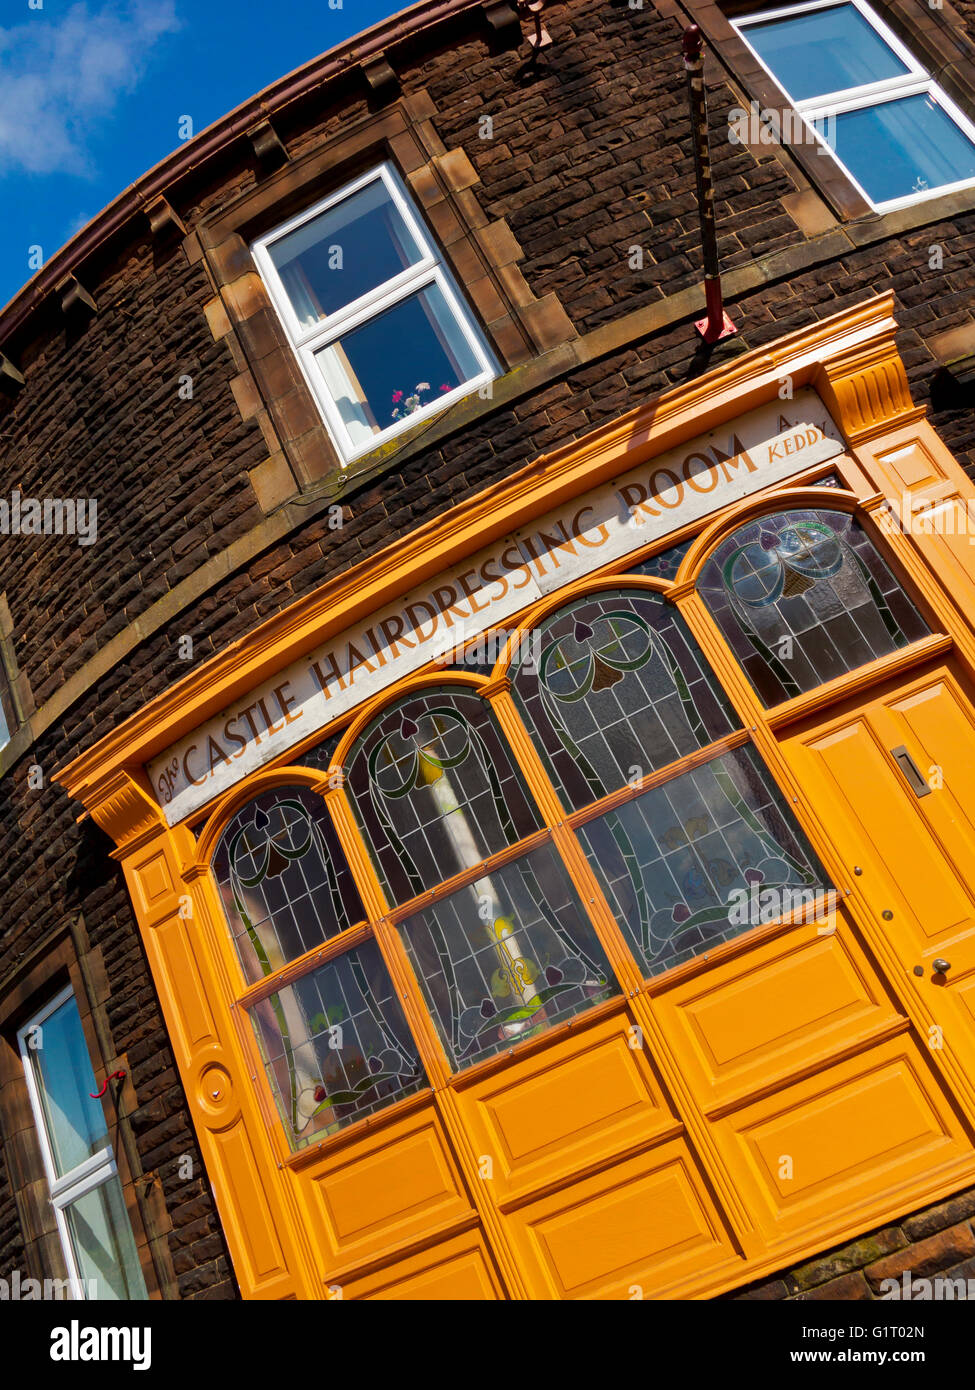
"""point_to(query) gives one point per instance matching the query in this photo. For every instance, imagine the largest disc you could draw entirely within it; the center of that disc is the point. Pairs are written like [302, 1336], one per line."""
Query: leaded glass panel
[666, 563]
[619, 689]
[702, 858]
[435, 790]
[507, 957]
[336, 1045]
[802, 597]
[283, 879]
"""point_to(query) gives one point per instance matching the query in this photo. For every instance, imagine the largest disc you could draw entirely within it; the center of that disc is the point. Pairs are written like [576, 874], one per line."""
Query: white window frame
[429, 270]
[81, 1179]
[917, 81]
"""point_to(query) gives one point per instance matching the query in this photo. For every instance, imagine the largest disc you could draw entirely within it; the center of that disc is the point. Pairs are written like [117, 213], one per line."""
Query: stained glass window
[336, 1045]
[283, 879]
[702, 858]
[507, 957]
[802, 597]
[666, 563]
[618, 690]
[435, 790]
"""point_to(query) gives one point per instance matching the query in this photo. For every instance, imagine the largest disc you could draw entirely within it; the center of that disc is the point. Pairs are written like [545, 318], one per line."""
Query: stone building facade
[146, 366]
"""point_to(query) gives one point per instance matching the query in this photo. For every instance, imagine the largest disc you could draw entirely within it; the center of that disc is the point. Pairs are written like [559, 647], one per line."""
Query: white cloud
[60, 76]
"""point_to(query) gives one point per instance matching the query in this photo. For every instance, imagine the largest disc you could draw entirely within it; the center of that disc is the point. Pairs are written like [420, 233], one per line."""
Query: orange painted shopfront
[623, 947]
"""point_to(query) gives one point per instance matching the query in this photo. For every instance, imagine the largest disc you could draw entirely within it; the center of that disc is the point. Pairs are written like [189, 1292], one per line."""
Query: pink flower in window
[397, 396]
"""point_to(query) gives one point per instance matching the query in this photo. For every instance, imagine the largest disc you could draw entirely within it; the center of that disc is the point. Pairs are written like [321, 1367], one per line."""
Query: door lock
[941, 966]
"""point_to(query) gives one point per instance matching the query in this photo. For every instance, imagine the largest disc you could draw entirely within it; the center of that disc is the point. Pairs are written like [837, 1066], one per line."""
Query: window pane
[824, 51]
[507, 957]
[613, 689]
[336, 1045]
[4, 728]
[397, 363]
[342, 254]
[75, 1122]
[435, 790]
[803, 597]
[283, 879]
[104, 1246]
[702, 859]
[900, 147]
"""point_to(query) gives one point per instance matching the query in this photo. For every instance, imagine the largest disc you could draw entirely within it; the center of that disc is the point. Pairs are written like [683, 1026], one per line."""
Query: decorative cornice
[123, 809]
[74, 297]
[868, 378]
[866, 389]
[268, 145]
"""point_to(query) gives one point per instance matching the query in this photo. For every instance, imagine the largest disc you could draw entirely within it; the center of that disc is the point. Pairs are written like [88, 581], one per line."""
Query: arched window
[334, 1041]
[612, 687]
[283, 878]
[510, 952]
[615, 693]
[802, 597]
[435, 790]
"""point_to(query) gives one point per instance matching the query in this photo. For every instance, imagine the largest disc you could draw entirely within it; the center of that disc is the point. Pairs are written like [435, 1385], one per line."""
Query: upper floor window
[86, 1192]
[892, 129]
[9, 721]
[375, 318]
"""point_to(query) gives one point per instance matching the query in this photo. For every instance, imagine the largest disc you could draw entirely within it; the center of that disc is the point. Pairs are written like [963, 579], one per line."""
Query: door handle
[915, 777]
[941, 966]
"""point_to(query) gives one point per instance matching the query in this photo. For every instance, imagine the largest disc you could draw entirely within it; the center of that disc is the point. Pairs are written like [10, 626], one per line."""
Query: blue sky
[92, 93]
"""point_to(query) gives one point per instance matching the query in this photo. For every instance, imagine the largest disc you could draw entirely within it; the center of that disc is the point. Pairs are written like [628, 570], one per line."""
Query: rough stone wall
[937, 1242]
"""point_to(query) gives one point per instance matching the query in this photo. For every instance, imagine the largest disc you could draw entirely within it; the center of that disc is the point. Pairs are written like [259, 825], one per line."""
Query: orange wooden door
[894, 777]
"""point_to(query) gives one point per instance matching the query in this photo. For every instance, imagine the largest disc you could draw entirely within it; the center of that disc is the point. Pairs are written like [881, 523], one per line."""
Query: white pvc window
[382, 335]
[86, 1193]
[863, 96]
[8, 712]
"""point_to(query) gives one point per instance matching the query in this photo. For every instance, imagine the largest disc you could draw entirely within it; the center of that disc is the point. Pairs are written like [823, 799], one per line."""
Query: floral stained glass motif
[435, 790]
[665, 564]
[802, 597]
[702, 858]
[283, 879]
[336, 1045]
[506, 957]
[618, 690]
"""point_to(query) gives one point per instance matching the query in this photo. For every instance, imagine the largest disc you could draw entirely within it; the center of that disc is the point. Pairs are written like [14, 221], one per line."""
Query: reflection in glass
[618, 690]
[336, 1045]
[343, 253]
[374, 383]
[802, 597]
[435, 790]
[823, 51]
[702, 858]
[283, 879]
[896, 148]
[75, 1122]
[507, 957]
[103, 1243]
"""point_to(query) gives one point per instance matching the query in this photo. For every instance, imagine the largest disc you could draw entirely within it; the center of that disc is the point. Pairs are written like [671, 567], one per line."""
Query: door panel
[776, 1009]
[837, 1144]
[548, 1116]
[911, 857]
[645, 1228]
